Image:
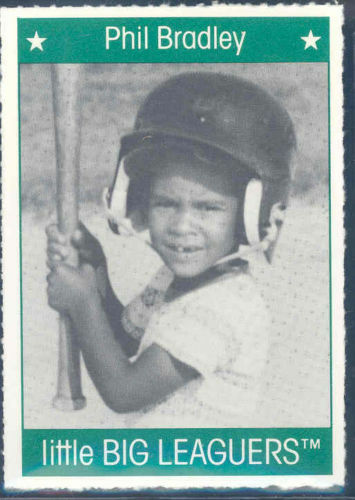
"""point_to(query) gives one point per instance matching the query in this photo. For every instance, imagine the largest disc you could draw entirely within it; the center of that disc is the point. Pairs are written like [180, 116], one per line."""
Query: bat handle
[69, 395]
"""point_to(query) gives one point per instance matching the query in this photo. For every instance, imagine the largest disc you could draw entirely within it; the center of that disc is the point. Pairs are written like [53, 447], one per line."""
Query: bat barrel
[66, 80]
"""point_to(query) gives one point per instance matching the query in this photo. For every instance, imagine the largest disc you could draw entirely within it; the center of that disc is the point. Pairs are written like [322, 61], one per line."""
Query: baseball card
[173, 248]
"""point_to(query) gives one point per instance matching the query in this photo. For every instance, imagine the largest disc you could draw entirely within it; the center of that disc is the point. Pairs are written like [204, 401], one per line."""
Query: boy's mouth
[183, 249]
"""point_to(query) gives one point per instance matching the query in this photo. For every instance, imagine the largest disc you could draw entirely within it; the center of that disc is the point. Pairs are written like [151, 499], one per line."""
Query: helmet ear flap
[251, 211]
[122, 204]
[262, 222]
[119, 192]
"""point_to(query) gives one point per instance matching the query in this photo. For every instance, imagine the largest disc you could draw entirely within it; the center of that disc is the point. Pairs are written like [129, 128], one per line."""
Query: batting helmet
[232, 116]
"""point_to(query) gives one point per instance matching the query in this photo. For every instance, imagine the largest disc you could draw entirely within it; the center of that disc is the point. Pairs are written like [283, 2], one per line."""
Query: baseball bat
[66, 80]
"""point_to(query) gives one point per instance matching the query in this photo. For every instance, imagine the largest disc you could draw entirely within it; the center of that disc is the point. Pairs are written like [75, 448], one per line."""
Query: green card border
[329, 239]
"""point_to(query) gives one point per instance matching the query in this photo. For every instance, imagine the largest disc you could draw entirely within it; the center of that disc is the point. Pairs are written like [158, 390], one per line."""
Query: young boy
[206, 171]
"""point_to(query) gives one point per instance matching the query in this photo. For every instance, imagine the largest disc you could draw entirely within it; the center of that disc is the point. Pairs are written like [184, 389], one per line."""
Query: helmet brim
[145, 153]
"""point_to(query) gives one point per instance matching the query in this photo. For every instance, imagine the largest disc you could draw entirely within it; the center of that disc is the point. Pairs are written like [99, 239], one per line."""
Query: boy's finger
[53, 261]
[51, 265]
[54, 234]
[55, 257]
[83, 236]
[50, 228]
[56, 248]
[49, 278]
[78, 238]
[85, 254]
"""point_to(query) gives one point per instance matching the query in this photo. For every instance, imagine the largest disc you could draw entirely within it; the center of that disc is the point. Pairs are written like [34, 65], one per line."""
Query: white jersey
[221, 330]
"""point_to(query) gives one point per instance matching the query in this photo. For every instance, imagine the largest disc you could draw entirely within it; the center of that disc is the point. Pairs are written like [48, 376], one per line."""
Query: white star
[36, 42]
[311, 41]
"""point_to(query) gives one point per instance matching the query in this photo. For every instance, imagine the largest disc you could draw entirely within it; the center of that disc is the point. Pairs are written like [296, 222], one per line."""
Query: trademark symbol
[311, 444]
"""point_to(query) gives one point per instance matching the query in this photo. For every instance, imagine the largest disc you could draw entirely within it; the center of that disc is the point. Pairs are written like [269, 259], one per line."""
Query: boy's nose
[182, 223]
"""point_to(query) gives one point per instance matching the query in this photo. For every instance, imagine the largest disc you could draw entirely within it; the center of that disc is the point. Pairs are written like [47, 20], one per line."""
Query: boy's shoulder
[237, 288]
[227, 294]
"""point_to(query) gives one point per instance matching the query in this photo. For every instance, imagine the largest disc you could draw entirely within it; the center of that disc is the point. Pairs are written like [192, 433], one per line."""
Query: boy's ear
[139, 219]
[138, 198]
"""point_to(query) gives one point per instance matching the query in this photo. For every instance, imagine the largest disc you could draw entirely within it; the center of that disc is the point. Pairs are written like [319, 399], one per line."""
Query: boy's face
[192, 216]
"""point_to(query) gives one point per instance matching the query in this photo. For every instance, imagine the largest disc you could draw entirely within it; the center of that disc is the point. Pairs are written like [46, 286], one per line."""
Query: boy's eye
[209, 207]
[163, 202]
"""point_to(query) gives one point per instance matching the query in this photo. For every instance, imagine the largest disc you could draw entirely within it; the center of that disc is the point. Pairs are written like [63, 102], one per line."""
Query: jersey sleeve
[133, 320]
[137, 313]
